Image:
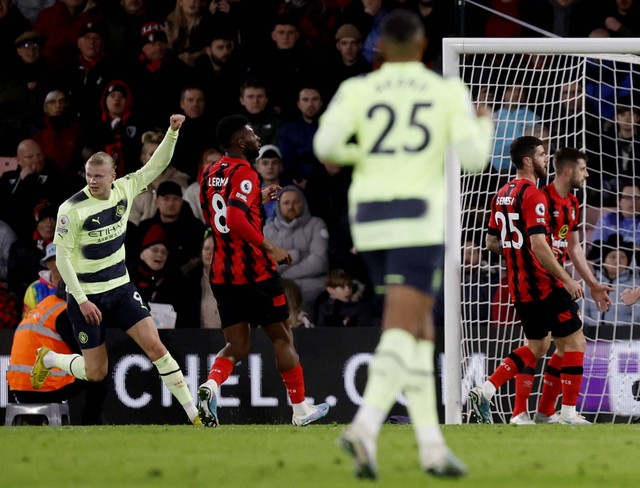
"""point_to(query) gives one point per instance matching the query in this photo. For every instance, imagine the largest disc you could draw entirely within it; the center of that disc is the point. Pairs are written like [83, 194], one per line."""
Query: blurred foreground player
[394, 126]
[243, 273]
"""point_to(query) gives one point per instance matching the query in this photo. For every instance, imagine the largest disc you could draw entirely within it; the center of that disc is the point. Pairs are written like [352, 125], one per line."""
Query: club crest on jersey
[246, 186]
[540, 210]
[120, 210]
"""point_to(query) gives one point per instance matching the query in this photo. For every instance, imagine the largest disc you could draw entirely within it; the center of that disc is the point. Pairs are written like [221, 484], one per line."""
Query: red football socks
[511, 365]
[220, 370]
[552, 386]
[524, 383]
[294, 381]
[571, 376]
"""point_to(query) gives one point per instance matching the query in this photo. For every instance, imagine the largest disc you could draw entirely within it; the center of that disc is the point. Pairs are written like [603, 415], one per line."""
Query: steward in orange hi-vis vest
[38, 329]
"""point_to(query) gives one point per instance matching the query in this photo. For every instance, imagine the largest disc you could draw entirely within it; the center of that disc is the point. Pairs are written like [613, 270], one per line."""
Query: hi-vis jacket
[38, 329]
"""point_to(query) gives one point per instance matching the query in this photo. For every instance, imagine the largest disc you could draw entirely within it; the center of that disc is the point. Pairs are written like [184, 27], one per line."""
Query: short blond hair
[102, 158]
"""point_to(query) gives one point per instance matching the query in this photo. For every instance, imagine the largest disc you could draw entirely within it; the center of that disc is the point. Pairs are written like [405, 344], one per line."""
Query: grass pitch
[282, 456]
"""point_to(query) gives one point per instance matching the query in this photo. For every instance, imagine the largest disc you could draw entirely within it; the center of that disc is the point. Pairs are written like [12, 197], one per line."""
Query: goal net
[570, 93]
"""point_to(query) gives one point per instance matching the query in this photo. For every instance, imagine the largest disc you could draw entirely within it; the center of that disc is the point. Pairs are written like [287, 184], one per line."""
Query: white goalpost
[581, 93]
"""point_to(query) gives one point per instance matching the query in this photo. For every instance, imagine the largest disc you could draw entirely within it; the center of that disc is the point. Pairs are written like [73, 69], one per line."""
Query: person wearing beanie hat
[243, 273]
[91, 257]
[346, 61]
[152, 32]
[348, 31]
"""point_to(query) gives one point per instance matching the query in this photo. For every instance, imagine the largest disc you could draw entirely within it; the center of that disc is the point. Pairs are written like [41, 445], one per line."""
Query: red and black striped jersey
[564, 218]
[518, 211]
[230, 183]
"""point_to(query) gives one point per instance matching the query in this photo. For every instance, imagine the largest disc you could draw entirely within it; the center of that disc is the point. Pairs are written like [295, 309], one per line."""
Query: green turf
[285, 456]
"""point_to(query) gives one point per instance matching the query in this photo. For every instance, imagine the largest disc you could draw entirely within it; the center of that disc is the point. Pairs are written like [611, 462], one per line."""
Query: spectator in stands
[221, 73]
[9, 307]
[298, 317]
[31, 71]
[345, 61]
[192, 194]
[46, 283]
[621, 18]
[48, 324]
[316, 21]
[269, 167]
[60, 136]
[157, 77]
[624, 222]
[60, 24]
[21, 189]
[144, 206]
[306, 240]
[615, 270]
[202, 305]
[620, 153]
[7, 238]
[117, 131]
[341, 305]
[86, 77]
[123, 23]
[284, 65]
[184, 232]
[438, 21]
[26, 253]
[266, 122]
[511, 121]
[295, 138]
[195, 134]
[157, 282]
[479, 284]
[181, 27]
[12, 24]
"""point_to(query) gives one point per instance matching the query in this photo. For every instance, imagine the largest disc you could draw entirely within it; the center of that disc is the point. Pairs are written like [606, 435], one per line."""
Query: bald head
[403, 37]
[29, 156]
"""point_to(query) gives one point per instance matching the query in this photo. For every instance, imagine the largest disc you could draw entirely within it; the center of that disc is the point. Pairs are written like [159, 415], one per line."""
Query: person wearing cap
[86, 78]
[46, 283]
[346, 60]
[31, 71]
[60, 24]
[60, 134]
[295, 138]
[118, 129]
[183, 230]
[157, 76]
[269, 166]
[90, 254]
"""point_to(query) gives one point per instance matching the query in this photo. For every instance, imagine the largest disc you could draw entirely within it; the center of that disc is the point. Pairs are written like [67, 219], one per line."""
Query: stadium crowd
[80, 76]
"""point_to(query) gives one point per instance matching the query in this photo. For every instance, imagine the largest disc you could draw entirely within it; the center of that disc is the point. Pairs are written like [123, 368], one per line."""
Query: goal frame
[452, 49]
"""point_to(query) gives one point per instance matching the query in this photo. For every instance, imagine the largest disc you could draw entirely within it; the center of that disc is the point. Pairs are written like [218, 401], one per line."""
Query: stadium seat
[55, 413]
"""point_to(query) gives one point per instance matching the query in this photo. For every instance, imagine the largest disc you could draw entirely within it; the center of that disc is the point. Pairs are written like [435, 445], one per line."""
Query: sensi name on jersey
[504, 200]
[218, 182]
